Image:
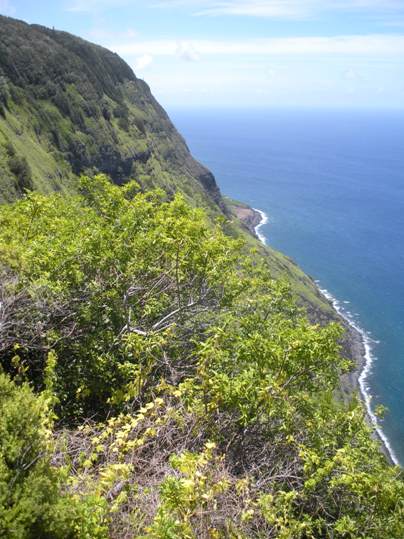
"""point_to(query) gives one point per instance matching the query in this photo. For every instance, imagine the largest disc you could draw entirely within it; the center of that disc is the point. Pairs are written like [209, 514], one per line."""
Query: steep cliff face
[68, 107]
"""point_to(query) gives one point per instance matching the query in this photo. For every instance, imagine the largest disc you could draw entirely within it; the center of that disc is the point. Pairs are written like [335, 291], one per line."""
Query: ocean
[331, 183]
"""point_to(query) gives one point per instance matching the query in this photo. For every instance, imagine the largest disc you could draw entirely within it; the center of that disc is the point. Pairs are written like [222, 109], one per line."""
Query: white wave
[368, 343]
[264, 221]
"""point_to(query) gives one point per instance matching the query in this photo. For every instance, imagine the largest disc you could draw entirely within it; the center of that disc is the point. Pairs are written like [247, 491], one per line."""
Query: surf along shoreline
[358, 342]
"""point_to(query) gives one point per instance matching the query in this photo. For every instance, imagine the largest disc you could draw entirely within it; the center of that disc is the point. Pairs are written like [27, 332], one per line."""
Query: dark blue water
[332, 184]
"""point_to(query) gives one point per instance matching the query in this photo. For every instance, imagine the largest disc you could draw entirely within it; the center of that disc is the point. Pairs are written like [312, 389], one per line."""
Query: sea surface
[332, 185]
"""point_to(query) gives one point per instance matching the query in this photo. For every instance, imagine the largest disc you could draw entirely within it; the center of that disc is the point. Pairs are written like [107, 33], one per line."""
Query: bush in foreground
[194, 399]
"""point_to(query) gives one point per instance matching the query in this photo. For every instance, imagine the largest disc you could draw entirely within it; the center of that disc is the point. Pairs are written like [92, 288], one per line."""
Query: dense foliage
[167, 386]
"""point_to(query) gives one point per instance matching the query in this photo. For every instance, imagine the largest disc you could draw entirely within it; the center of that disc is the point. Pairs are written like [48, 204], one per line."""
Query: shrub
[30, 500]
[211, 396]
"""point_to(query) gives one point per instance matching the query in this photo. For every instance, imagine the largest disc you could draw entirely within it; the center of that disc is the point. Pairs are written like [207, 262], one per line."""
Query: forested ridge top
[34, 54]
[68, 106]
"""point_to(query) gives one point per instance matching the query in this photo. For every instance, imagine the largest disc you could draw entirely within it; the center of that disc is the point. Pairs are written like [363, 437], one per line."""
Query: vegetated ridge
[159, 377]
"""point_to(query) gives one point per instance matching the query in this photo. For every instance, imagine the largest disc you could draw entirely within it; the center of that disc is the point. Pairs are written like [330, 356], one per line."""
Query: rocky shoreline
[249, 217]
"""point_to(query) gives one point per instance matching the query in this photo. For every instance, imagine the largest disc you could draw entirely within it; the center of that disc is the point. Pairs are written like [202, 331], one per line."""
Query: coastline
[358, 378]
[264, 220]
[252, 218]
[360, 346]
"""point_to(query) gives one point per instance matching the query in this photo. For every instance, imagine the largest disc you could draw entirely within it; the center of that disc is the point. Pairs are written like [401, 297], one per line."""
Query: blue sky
[245, 53]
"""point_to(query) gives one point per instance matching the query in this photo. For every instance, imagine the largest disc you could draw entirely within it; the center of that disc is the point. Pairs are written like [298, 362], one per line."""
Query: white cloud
[275, 9]
[142, 62]
[187, 51]
[287, 9]
[314, 81]
[351, 74]
[356, 45]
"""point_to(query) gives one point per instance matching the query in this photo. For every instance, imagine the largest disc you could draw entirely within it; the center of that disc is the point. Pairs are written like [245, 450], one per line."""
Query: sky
[245, 53]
